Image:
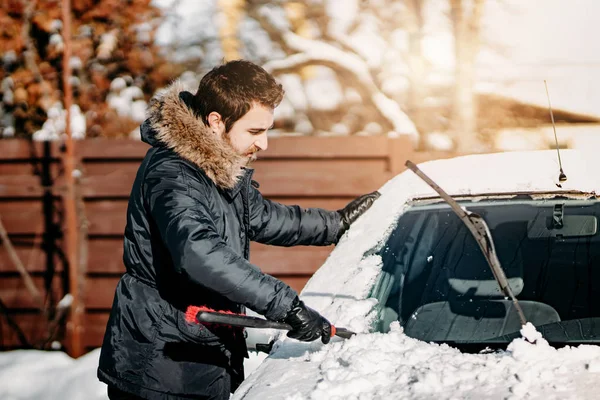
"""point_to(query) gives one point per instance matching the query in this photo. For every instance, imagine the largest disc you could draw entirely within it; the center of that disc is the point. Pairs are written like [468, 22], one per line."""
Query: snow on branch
[311, 52]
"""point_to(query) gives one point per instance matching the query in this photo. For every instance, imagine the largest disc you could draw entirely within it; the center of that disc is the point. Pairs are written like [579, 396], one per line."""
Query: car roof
[509, 172]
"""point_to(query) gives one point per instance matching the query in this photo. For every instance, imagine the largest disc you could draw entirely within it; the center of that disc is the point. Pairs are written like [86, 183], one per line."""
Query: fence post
[74, 326]
[399, 149]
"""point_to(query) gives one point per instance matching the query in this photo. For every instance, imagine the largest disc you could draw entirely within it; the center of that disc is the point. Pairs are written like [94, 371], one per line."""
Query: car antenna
[561, 177]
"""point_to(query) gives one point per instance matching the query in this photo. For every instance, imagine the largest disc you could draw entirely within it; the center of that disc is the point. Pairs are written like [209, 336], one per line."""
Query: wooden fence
[311, 172]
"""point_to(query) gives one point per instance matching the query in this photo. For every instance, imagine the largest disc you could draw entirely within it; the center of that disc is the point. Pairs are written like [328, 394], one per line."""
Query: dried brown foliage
[31, 48]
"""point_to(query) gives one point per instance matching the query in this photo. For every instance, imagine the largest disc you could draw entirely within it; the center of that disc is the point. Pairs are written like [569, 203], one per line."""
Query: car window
[437, 283]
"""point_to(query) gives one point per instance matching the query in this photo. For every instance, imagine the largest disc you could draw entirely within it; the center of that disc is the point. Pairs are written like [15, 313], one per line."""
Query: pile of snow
[7, 121]
[439, 141]
[189, 31]
[34, 375]
[143, 33]
[54, 127]
[395, 366]
[108, 43]
[53, 375]
[127, 100]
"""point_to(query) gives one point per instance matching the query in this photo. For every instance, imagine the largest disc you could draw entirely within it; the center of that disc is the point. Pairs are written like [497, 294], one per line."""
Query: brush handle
[246, 321]
[239, 320]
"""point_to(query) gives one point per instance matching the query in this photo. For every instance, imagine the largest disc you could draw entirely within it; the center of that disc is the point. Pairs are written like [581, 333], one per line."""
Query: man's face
[248, 135]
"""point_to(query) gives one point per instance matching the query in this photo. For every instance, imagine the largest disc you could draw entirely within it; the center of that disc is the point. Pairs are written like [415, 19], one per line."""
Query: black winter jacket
[192, 212]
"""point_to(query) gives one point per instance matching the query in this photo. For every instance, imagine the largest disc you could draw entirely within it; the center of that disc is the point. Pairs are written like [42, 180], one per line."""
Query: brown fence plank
[325, 203]
[112, 149]
[279, 147]
[32, 257]
[282, 261]
[30, 167]
[19, 149]
[33, 326]
[114, 179]
[282, 178]
[327, 147]
[107, 217]
[20, 186]
[27, 168]
[22, 217]
[419, 157]
[400, 150]
[100, 290]
[321, 178]
[95, 325]
[14, 294]
[106, 256]
[295, 282]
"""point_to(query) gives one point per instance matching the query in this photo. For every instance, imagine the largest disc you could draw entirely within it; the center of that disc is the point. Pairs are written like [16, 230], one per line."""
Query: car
[431, 318]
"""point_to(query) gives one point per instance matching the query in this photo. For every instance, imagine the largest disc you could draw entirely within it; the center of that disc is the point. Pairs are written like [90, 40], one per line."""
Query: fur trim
[180, 130]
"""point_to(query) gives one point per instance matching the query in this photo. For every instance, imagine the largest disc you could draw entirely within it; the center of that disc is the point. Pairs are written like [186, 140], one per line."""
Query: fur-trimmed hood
[172, 123]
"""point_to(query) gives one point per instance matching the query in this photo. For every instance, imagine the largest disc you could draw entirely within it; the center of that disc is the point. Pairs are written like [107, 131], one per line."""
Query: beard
[251, 154]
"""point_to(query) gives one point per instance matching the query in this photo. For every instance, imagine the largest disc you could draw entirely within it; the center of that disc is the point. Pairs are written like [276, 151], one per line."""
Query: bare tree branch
[466, 23]
[25, 34]
[29, 285]
[311, 52]
[14, 326]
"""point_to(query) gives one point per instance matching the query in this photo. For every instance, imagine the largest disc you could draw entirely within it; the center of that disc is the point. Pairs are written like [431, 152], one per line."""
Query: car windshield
[437, 283]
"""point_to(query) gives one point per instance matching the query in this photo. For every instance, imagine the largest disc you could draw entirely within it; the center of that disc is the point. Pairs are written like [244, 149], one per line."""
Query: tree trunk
[416, 64]
[296, 13]
[467, 27]
[233, 12]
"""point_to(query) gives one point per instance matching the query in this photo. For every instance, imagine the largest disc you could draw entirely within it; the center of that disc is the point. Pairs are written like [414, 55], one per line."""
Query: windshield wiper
[481, 232]
[580, 331]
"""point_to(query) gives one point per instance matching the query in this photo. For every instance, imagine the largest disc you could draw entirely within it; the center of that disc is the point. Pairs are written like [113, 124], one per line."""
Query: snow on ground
[49, 375]
[37, 375]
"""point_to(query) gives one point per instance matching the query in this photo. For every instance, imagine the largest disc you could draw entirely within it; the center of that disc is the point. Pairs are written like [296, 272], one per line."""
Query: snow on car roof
[530, 171]
[392, 365]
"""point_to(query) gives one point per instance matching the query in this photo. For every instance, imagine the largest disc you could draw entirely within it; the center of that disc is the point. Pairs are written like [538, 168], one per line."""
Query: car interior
[437, 283]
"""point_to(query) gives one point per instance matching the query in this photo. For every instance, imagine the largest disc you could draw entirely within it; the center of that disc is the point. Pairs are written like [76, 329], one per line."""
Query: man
[192, 212]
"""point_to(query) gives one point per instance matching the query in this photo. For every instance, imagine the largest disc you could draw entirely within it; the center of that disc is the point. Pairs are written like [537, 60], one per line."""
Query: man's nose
[262, 142]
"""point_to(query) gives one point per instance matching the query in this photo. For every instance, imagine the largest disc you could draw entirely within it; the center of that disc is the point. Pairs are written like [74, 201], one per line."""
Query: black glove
[307, 324]
[355, 209]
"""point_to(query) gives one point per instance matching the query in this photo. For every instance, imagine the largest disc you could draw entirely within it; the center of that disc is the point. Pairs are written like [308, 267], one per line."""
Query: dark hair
[231, 89]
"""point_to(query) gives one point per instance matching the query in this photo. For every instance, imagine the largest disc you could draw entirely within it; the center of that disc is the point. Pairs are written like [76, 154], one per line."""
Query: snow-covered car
[432, 323]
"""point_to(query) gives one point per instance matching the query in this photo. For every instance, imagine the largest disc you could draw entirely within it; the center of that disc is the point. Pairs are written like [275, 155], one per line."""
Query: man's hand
[355, 209]
[307, 324]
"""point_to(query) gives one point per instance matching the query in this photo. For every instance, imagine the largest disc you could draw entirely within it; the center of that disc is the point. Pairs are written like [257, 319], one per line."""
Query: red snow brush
[196, 314]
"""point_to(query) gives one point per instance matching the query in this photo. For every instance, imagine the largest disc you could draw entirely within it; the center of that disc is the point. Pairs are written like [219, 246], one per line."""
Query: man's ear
[215, 123]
